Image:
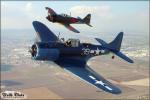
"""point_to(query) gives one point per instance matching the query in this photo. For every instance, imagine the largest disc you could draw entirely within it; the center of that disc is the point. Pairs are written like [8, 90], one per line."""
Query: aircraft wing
[71, 28]
[78, 67]
[51, 11]
[43, 32]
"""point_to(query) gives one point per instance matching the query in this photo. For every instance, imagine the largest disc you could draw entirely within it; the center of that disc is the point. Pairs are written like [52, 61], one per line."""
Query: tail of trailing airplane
[115, 46]
[87, 19]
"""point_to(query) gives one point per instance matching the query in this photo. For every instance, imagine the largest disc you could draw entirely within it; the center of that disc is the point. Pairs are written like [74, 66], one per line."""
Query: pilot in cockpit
[68, 43]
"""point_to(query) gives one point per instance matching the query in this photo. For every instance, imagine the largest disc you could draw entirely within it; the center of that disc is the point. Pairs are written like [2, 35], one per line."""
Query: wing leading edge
[81, 70]
[68, 26]
[43, 32]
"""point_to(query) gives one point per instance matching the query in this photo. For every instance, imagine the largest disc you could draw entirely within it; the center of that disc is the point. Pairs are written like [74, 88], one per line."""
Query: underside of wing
[71, 28]
[79, 68]
[43, 32]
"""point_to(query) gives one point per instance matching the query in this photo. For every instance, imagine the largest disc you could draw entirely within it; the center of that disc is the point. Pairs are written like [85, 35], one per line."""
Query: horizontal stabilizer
[115, 46]
[101, 41]
[121, 55]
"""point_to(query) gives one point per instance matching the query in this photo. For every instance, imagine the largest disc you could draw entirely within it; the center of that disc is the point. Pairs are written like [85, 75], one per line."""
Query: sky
[107, 16]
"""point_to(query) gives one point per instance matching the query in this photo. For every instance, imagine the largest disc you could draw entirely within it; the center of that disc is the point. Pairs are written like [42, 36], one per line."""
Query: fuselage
[66, 50]
[64, 19]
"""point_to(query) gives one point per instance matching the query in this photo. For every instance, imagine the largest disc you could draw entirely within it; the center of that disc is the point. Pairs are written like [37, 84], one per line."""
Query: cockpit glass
[65, 15]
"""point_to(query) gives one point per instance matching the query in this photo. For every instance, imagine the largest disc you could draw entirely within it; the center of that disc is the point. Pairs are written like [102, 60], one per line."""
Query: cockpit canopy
[65, 15]
[73, 42]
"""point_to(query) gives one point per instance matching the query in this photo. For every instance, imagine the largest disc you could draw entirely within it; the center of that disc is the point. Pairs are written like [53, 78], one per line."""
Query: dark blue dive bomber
[72, 55]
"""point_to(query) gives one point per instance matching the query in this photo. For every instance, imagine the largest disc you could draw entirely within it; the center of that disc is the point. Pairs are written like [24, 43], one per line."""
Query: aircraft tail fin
[87, 19]
[115, 46]
[116, 43]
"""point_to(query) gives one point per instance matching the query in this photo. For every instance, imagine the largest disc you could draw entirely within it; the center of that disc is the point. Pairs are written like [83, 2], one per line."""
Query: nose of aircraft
[32, 50]
[46, 8]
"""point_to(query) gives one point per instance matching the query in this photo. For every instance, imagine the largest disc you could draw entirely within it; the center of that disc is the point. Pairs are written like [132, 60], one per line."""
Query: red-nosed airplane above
[66, 20]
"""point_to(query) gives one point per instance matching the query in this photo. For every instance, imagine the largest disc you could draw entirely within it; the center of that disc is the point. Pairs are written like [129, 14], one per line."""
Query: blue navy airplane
[72, 55]
[66, 20]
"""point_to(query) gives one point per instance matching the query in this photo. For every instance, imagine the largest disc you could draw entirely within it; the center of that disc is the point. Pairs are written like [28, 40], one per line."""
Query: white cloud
[31, 12]
[100, 17]
[103, 19]
[134, 22]
[28, 6]
[3, 5]
[19, 15]
[103, 11]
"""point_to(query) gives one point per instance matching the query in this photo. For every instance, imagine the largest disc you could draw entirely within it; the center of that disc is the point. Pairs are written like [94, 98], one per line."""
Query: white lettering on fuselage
[88, 51]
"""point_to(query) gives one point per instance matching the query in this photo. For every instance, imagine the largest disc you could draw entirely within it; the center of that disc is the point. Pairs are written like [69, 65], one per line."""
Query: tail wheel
[113, 57]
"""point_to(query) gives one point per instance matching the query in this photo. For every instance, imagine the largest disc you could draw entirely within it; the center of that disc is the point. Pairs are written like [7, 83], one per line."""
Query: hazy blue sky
[130, 16]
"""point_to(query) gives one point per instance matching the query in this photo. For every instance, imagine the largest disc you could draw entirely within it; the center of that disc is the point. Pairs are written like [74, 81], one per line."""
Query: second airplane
[66, 20]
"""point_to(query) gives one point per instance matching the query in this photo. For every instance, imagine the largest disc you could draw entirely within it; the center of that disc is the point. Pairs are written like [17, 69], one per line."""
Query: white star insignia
[97, 51]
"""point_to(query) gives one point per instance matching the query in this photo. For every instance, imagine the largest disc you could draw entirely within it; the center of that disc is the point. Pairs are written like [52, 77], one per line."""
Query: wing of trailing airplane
[78, 67]
[43, 32]
[68, 26]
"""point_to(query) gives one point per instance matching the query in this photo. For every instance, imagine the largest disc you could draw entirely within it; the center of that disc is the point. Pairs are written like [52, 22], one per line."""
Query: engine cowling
[44, 52]
[51, 18]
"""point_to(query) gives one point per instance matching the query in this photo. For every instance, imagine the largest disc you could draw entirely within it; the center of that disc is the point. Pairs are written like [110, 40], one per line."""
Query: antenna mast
[70, 13]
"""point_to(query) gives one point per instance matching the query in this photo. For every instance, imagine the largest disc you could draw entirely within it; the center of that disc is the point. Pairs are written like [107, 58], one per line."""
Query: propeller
[33, 49]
